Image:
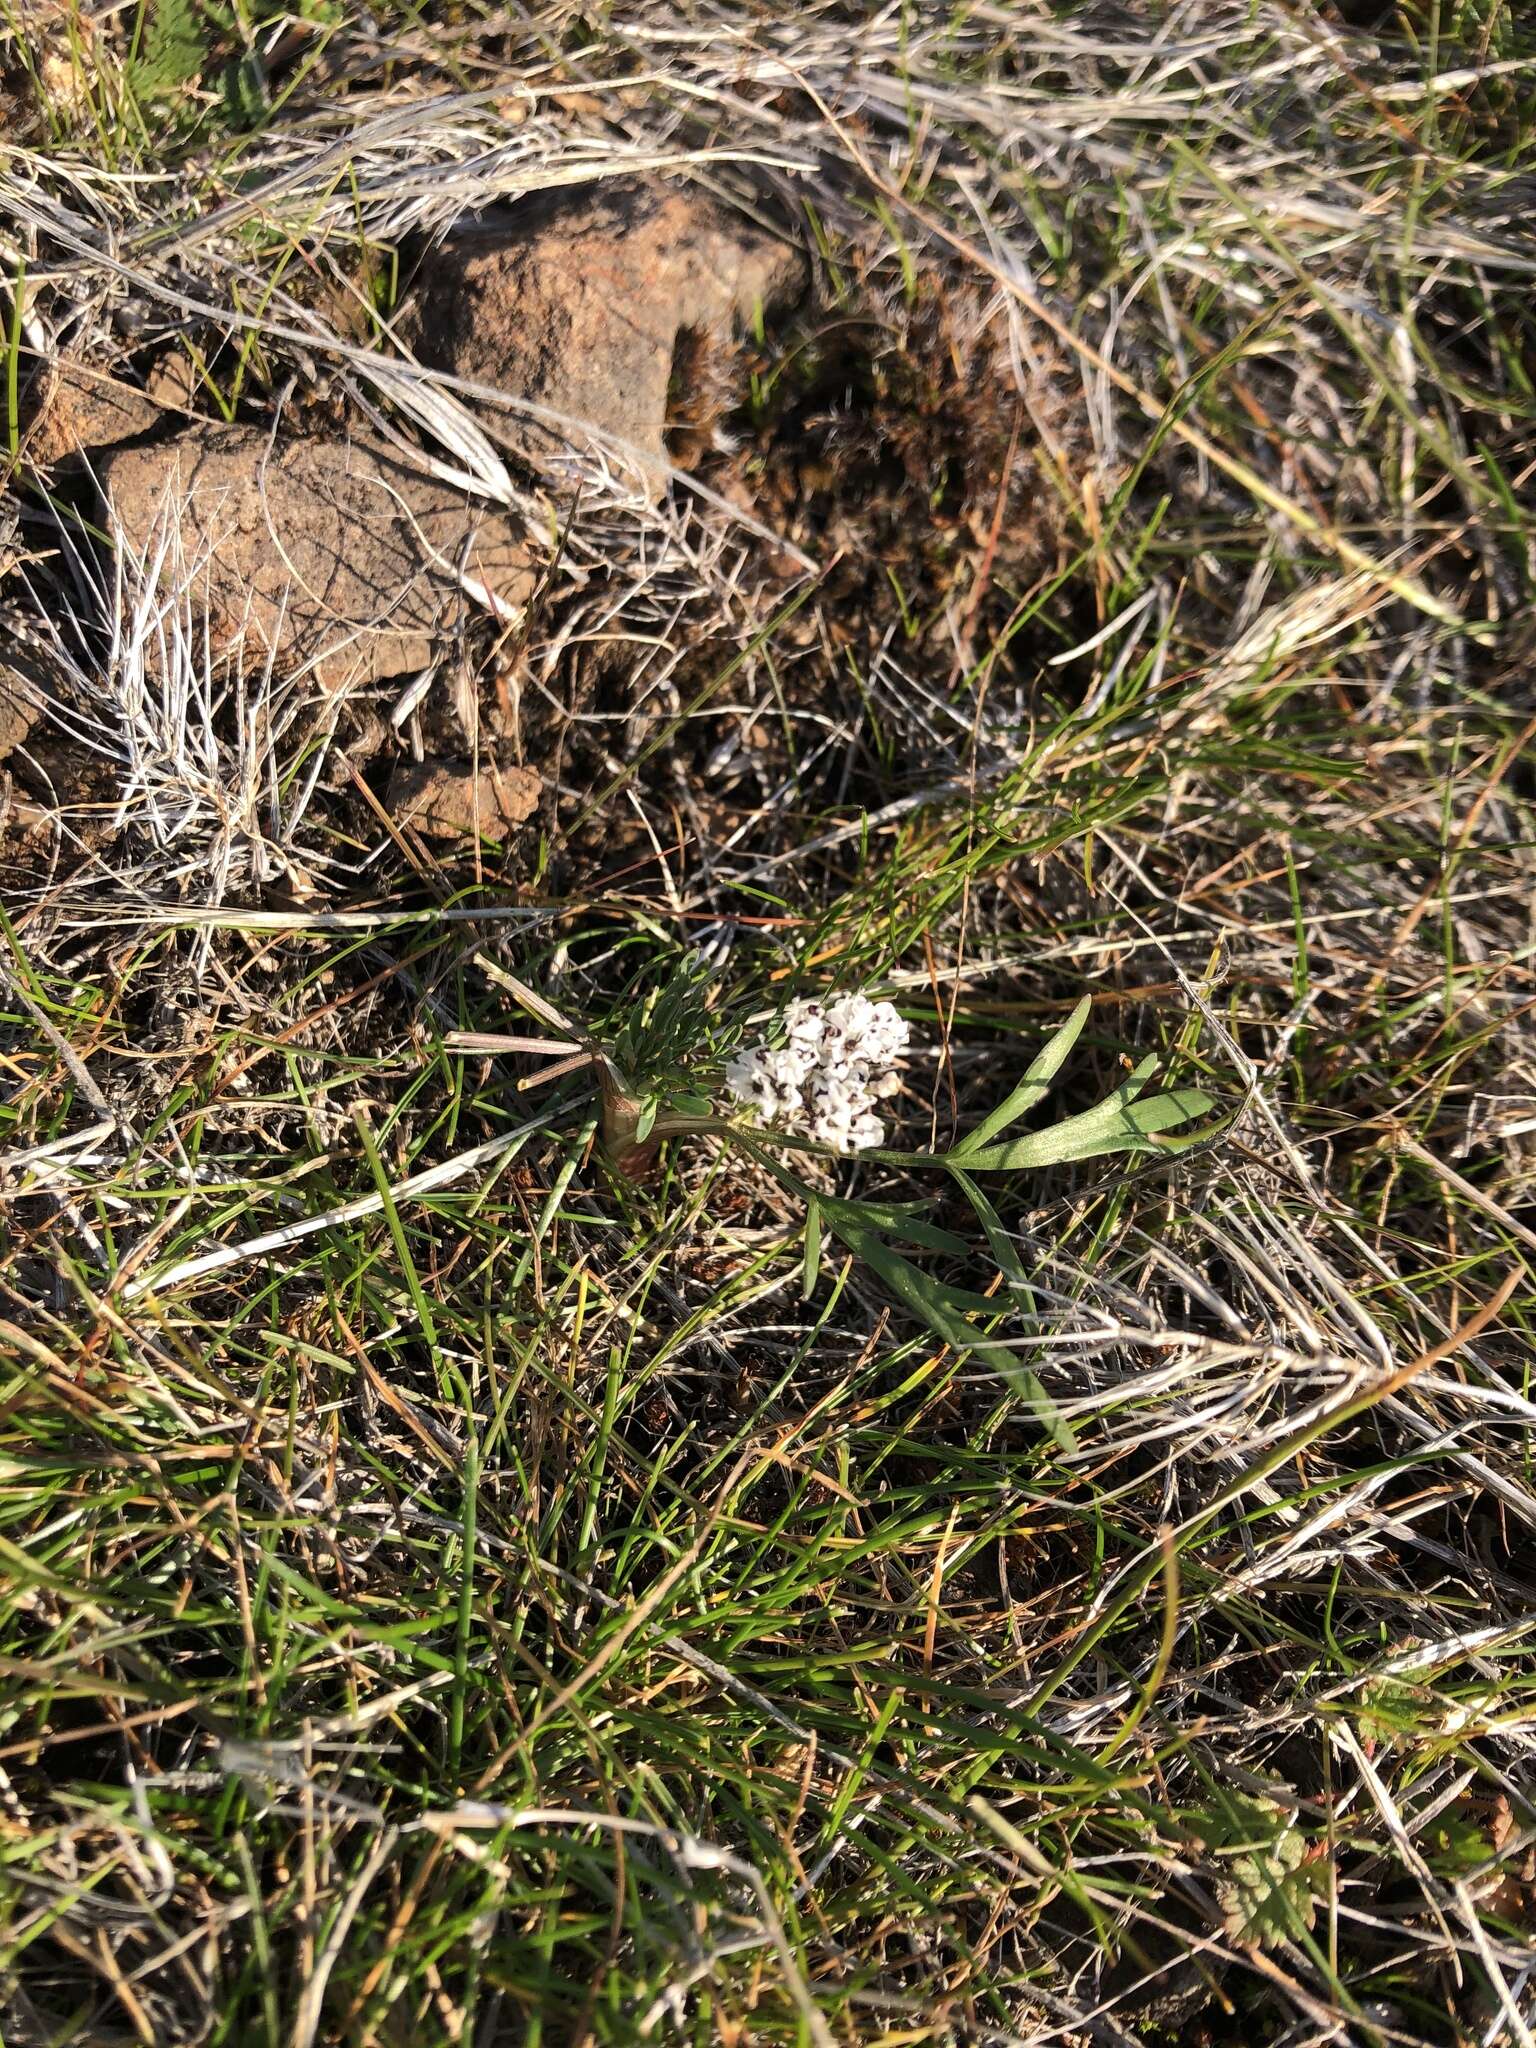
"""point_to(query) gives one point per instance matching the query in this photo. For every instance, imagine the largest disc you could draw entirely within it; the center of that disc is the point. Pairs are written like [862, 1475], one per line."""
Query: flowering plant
[814, 1088]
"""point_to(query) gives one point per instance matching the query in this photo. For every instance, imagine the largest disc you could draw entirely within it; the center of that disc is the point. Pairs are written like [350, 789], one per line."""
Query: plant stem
[628, 1154]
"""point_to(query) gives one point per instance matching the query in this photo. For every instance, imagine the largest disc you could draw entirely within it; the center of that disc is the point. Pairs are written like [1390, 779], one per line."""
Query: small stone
[172, 383]
[450, 798]
[80, 411]
[18, 712]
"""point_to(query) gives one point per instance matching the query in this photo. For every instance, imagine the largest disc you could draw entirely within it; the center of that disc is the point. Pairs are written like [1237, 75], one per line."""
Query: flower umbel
[837, 1061]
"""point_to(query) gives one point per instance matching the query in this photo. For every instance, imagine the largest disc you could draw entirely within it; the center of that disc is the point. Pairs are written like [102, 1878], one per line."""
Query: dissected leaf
[171, 51]
[1270, 1887]
[244, 87]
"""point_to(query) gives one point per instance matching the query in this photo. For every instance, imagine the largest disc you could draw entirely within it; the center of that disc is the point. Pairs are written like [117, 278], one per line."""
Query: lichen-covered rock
[613, 308]
[331, 553]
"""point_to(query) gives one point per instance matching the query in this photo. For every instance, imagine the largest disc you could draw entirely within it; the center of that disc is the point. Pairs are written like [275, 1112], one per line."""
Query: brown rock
[612, 307]
[335, 553]
[79, 411]
[449, 798]
[172, 382]
[18, 712]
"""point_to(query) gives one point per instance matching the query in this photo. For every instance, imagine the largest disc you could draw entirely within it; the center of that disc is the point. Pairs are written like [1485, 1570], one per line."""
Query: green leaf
[1118, 1124]
[941, 1308]
[904, 1221]
[812, 1247]
[998, 1241]
[1025, 1383]
[1043, 1069]
[646, 1120]
[171, 53]
[1270, 1884]
[245, 93]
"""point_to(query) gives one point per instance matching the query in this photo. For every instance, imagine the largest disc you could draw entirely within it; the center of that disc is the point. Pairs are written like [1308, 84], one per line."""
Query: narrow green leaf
[812, 1248]
[1025, 1383]
[941, 1308]
[1043, 1069]
[998, 1241]
[646, 1120]
[1120, 1124]
[903, 1221]
[1106, 1111]
[397, 1231]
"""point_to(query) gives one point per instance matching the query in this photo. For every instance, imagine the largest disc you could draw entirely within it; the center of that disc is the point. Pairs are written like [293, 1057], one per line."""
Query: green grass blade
[1026, 1383]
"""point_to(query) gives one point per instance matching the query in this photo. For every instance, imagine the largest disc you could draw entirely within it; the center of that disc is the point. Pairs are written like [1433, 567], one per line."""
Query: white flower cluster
[837, 1061]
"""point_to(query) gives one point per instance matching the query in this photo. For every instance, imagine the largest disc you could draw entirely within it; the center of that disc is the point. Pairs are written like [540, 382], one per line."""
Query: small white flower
[840, 1089]
[789, 1065]
[866, 1031]
[836, 1063]
[805, 1025]
[848, 1132]
[743, 1078]
[850, 1016]
[763, 1079]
